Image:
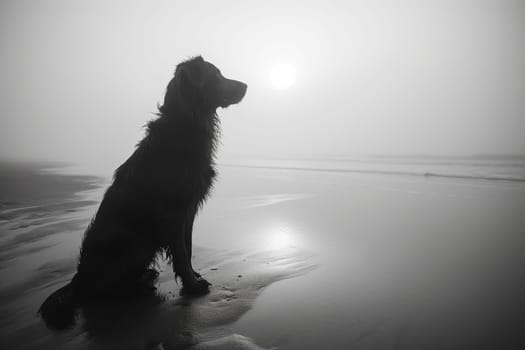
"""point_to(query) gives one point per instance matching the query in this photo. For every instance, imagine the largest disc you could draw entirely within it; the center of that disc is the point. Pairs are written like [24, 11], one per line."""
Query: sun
[282, 75]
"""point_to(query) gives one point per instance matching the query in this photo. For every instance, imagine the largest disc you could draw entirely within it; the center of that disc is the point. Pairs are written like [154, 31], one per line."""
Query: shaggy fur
[156, 192]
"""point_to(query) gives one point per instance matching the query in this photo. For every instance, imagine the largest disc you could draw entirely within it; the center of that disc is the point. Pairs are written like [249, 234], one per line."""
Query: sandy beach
[298, 258]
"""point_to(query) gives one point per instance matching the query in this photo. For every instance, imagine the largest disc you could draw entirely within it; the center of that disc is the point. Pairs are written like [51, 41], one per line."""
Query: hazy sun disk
[282, 75]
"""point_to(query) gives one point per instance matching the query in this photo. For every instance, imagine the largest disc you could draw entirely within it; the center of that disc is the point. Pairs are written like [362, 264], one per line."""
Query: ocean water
[506, 168]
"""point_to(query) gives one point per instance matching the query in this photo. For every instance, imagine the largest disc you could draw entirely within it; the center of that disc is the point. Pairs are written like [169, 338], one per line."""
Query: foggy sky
[80, 79]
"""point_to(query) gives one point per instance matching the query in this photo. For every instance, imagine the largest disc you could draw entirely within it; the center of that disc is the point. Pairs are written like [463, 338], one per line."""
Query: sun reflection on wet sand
[280, 237]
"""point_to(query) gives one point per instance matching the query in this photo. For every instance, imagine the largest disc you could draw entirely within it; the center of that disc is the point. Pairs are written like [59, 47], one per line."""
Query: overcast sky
[80, 78]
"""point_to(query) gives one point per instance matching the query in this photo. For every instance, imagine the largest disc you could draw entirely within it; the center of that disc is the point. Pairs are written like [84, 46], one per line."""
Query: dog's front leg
[190, 218]
[182, 259]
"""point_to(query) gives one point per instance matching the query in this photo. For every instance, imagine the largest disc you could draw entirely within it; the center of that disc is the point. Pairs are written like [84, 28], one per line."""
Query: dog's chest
[200, 183]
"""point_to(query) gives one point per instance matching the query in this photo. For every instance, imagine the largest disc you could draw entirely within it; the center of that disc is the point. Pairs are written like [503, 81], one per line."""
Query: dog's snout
[244, 88]
[234, 91]
[241, 87]
[235, 84]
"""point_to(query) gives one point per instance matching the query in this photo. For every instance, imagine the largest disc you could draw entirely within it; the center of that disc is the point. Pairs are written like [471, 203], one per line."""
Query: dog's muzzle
[234, 92]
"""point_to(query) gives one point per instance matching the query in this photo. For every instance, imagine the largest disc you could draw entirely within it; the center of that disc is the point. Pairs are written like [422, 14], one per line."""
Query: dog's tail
[59, 309]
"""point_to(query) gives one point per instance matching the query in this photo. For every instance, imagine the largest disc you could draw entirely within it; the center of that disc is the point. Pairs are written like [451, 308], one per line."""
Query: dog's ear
[192, 72]
[184, 89]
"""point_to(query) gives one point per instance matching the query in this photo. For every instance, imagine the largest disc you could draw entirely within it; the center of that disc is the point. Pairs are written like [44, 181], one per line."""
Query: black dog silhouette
[155, 194]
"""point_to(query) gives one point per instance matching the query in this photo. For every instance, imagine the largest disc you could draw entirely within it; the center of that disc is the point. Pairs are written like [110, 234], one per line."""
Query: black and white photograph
[262, 175]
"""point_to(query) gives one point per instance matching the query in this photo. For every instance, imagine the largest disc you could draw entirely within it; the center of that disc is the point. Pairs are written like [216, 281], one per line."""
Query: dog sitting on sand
[151, 204]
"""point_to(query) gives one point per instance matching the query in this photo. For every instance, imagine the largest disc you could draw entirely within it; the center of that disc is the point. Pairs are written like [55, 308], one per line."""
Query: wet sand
[298, 260]
[40, 242]
[405, 262]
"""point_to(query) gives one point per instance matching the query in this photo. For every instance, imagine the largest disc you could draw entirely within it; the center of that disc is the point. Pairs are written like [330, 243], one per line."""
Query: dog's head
[199, 87]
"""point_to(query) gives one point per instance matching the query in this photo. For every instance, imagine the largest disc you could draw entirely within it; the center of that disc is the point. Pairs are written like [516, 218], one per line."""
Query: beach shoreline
[301, 260]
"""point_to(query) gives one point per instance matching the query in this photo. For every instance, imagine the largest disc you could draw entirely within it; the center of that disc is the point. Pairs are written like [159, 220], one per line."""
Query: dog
[151, 204]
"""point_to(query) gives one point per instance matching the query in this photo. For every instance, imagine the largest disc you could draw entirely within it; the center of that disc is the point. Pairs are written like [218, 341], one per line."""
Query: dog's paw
[199, 287]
